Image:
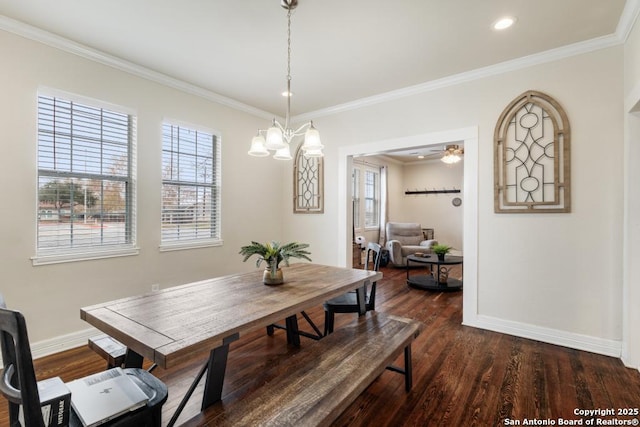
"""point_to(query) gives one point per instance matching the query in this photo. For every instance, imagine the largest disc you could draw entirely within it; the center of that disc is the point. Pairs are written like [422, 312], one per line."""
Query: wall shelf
[444, 191]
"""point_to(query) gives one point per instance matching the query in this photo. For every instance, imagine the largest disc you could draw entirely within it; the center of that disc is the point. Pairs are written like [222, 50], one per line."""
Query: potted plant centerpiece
[273, 253]
[441, 250]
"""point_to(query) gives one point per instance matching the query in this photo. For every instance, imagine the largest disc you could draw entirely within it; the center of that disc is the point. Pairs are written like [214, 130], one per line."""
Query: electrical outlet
[155, 287]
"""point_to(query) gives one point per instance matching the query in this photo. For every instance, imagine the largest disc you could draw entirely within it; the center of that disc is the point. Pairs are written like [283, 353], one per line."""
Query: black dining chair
[348, 303]
[19, 386]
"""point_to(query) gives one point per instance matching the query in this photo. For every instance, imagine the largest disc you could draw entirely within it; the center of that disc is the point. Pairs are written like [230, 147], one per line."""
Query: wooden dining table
[179, 323]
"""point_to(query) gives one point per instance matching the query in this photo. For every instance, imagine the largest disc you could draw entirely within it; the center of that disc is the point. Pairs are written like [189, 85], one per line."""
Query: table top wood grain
[177, 323]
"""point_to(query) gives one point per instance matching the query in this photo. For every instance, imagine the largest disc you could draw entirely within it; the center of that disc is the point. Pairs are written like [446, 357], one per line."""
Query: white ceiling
[342, 51]
[419, 154]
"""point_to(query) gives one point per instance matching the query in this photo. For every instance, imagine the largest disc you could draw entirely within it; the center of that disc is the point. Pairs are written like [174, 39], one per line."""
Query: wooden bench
[113, 351]
[319, 382]
[109, 349]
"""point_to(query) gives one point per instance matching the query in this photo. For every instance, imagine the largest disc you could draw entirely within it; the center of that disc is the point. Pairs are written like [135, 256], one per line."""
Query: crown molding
[387, 159]
[469, 76]
[64, 44]
[628, 18]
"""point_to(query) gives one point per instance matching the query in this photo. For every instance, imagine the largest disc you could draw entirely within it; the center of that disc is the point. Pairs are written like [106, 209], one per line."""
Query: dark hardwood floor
[462, 376]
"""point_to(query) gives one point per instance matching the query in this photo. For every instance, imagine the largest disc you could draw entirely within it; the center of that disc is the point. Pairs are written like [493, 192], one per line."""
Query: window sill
[87, 255]
[361, 231]
[189, 244]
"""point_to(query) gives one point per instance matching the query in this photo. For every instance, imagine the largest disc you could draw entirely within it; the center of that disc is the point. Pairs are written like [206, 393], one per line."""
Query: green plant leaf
[441, 249]
[273, 253]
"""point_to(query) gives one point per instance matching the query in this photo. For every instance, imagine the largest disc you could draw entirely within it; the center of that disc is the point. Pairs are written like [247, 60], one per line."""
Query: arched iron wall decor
[308, 184]
[532, 161]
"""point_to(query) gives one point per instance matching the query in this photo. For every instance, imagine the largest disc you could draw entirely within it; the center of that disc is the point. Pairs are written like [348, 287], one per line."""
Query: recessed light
[421, 157]
[504, 23]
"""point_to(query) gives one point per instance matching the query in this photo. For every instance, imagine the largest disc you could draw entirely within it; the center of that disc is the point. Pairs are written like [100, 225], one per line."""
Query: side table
[434, 281]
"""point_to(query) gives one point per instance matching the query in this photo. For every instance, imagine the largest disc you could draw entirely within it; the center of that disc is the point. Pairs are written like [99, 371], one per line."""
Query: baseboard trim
[630, 363]
[62, 342]
[588, 343]
[602, 346]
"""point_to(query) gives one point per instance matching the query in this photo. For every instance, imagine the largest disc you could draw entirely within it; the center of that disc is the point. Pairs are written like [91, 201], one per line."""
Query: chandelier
[278, 138]
[452, 154]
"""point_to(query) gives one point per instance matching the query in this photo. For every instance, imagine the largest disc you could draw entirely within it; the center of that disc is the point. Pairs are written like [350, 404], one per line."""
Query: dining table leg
[132, 359]
[293, 335]
[215, 369]
[215, 372]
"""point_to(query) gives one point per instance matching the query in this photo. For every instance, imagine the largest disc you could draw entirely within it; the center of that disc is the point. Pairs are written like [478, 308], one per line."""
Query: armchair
[404, 239]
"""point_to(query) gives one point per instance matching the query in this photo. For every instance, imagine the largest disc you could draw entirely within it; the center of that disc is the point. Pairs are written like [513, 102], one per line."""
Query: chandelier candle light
[278, 137]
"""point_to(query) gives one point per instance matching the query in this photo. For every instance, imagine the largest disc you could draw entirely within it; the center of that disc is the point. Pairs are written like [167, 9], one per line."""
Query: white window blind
[190, 186]
[371, 198]
[85, 178]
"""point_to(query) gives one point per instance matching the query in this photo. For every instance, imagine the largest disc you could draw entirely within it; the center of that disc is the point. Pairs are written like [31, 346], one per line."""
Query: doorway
[469, 136]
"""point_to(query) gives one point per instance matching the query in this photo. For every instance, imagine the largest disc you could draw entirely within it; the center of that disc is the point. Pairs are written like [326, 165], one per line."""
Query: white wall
[632, 59]
[433, 210]
[557, 274]
[395, 190]
[51, 296]
[631, 298]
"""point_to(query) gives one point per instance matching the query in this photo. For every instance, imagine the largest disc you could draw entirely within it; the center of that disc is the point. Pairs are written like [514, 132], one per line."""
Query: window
[371, 198]
[190, 187]
[366, 210]
[85, 181]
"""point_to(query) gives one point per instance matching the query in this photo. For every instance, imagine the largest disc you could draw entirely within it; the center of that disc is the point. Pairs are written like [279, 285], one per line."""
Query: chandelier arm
[274, 123]
[302, 129]
[278, 125]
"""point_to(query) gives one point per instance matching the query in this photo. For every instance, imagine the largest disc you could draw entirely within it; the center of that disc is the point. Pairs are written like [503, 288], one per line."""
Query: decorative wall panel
[532, 162]
[308, 183]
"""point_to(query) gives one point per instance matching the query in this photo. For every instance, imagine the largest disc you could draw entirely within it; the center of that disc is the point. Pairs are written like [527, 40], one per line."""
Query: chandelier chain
[289, 45]
[288, 114]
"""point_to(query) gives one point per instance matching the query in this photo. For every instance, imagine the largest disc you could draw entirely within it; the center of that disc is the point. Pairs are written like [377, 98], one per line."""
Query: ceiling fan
[451, 153]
